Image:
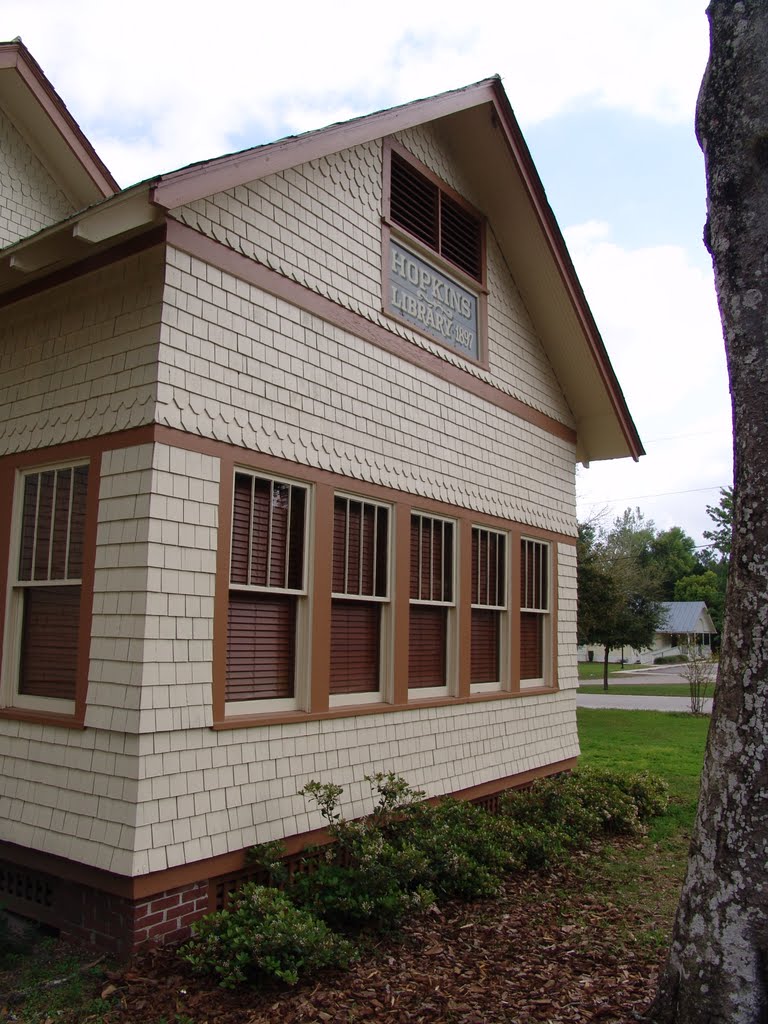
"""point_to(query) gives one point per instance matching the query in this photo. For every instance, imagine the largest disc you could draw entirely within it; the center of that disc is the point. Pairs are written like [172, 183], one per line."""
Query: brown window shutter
[241, 519]
[461, 238]
[50, 629]
[414, 202]
[77, 524]
[261, 643]
[44, 524]
[426, 645]
[28, 526]
[484, 659]
[531, 645]
[427, 212]
[355, 646]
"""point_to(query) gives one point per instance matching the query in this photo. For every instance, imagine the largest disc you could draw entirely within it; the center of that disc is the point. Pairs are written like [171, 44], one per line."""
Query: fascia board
[200, 180]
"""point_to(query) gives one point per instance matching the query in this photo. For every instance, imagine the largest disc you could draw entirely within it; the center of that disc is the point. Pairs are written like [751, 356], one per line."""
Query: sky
[605, 93]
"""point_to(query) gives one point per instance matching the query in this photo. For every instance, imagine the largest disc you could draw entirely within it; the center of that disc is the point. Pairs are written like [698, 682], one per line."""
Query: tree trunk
[605, 669]
[717, 967]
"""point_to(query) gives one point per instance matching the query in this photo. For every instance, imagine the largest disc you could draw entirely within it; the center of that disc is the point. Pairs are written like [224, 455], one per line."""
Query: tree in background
[673, 553]
[722, 516]
[717, 972]
[707, 586]
[617, 586]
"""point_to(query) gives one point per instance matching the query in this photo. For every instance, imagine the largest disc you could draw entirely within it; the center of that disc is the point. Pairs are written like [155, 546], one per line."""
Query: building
[287, 450]
[686, 624]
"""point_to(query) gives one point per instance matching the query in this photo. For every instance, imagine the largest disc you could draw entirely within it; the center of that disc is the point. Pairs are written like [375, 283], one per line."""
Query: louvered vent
[428, 213]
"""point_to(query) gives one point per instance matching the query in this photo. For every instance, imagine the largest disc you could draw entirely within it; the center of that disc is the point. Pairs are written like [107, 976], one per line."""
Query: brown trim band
[95, 261]
[156, 882]
[218, 255]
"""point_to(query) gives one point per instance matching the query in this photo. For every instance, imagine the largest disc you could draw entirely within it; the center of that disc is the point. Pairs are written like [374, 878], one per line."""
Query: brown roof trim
[223, 258]
[16, 55]
[203, 179]
[530, 176]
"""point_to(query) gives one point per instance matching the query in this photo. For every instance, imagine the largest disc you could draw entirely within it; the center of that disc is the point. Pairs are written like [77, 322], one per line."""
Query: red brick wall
[112, 923]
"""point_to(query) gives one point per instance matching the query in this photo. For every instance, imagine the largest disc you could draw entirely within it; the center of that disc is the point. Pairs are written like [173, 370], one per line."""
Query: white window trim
[301, 673]
[451, 632]
[9, 691]
[383, 693]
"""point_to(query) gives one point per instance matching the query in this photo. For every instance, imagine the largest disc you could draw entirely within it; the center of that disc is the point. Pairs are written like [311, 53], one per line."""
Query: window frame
[451, 638]
[302, 639]
[420, 248]
[543, 610]
[10, 696]
[385, 616]
[503, 609]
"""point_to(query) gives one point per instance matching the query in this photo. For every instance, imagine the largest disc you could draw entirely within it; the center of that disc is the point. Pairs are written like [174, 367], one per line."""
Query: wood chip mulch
[548, 949]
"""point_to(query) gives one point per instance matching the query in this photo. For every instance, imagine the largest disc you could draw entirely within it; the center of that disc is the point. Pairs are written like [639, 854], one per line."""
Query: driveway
[660, 674]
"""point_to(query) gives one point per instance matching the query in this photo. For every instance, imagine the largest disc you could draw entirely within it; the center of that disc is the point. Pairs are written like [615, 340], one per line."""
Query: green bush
[588, 803]
[379, 887]
[366, 879]
[464, 849]
[262, 933]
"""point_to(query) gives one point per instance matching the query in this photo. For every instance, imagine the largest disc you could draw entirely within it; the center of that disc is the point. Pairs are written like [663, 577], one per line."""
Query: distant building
[687, 624]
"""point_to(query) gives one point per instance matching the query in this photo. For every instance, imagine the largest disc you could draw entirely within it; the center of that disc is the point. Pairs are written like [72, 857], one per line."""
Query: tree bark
[717, 966]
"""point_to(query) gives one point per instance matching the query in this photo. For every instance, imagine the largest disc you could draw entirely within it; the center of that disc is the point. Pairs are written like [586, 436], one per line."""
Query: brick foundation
[105, 920]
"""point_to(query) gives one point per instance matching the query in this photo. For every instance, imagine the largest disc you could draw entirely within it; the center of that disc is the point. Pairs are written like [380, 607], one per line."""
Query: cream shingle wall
[148, 784]
[79, 360]
[320, 224]
[244, 367]
[29, 197]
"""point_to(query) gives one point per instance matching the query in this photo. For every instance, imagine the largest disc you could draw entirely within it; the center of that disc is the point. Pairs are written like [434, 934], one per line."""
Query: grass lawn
[644, 879]
[594, 669]
[619, 687]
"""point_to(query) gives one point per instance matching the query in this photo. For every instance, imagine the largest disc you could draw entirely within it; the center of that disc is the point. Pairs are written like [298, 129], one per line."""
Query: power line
[661, 494]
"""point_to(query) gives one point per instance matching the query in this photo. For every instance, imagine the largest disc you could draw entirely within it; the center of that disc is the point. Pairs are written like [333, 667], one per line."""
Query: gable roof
[686, 617]
[478, 125]
[41, 117]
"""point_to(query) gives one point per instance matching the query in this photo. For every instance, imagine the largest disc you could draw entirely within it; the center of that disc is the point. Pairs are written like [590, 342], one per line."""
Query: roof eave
[40, 101]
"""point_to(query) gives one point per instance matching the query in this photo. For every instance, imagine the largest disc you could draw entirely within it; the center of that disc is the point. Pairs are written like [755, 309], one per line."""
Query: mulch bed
[548, 949]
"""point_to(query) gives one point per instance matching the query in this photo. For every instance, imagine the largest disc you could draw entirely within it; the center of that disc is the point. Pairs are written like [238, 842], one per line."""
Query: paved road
[599, 700]
[660, 674]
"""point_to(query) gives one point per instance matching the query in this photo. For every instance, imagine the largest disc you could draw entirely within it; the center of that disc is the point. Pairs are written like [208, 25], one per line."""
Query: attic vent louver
[431, 215]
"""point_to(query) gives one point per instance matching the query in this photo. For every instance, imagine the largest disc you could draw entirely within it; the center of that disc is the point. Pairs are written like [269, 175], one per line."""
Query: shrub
[378, 887]
[588, 803]
[366, 879]
[262, 933]
[465, 849]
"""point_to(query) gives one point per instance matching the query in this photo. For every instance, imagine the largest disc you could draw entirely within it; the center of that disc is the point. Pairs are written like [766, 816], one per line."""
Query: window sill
[42, 718]
[352, 710]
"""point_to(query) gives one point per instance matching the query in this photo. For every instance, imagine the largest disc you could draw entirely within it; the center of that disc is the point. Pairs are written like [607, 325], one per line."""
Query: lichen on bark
[717, 970]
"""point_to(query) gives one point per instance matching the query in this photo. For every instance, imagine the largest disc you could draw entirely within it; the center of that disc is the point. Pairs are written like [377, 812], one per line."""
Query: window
[427, 211]
[431, 604]
[360, 597]
[534, 612]
[489, 605]
[267, 591]
[44, 620]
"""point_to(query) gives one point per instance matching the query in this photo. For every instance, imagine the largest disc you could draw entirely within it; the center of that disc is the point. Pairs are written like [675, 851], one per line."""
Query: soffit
[41, 117]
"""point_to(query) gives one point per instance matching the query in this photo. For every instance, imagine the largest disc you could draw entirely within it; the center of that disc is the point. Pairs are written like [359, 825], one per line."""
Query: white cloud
[658, 316]
[185, 80]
